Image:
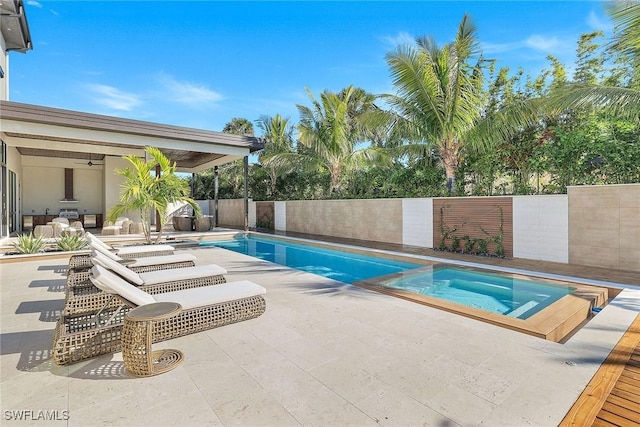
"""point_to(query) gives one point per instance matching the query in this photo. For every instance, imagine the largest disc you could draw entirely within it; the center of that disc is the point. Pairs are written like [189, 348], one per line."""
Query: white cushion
[130, 275]
[209, 295]
[102, 250]
[96, 242]
[162, 276]
[119, 286]
[164, 259]
[138, 249]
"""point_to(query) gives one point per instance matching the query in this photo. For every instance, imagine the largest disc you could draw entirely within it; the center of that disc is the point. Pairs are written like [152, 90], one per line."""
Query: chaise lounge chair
[127, 252]
[83, 297]
[82, 337]
[141, 264]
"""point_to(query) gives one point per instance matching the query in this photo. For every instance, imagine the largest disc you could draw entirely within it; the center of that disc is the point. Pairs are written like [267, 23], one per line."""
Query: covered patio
[64, 161]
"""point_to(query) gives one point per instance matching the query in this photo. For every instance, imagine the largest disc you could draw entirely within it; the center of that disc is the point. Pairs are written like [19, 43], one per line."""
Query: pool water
[343, 266]
[510, 295]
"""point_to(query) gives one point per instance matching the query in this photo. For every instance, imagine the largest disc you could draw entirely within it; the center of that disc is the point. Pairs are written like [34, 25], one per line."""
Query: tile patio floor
[324, 353]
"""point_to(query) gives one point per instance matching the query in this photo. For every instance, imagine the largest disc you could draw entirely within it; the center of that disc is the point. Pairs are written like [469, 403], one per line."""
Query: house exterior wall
[604, 226]
[43, 186]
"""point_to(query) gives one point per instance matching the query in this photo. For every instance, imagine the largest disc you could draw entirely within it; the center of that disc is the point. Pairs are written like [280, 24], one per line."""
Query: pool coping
[556, 323]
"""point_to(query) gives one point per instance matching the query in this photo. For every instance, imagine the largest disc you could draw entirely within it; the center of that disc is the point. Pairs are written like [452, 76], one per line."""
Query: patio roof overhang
[50, 132]
[14, 26]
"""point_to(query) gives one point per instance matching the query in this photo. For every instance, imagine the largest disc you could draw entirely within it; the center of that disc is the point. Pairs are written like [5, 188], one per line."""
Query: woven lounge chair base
[84, 297]
[80, 337]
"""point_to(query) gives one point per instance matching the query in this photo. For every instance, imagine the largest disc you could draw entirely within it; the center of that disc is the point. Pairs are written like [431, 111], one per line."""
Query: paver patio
[324, 353]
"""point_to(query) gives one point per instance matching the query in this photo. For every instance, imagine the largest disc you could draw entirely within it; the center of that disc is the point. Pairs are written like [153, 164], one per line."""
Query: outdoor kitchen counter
[40, 219]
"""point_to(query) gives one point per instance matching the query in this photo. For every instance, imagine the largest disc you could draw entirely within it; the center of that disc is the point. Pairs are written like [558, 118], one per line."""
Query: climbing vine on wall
[471, 244]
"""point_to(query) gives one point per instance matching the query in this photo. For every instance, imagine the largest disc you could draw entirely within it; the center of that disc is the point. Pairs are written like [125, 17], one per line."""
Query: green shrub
[455, 243]
[469, 242]
[71, 242]
[29, 244]
[482, 246]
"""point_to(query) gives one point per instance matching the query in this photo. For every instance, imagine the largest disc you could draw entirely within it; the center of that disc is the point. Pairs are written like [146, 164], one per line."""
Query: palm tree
[623, 102]
[145, 192]
[239, 126]
[330, 129]
[278, 135]
[439, 96]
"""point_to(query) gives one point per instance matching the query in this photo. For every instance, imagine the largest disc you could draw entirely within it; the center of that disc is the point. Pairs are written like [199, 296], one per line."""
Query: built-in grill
[69, 213]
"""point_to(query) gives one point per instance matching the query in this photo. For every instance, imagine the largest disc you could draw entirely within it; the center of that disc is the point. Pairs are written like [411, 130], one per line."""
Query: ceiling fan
[90, 162]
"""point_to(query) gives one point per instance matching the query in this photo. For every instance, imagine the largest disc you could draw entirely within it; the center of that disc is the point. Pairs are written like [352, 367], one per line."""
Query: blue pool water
[338, 265]
[506, 294]
[502, 293]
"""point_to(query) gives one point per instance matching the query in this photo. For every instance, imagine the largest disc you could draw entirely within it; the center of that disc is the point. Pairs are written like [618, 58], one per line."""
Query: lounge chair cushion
[111, 283]
[128, 249]
[209, 295]
[187, 298]
[160, 276]
[144, 261]
[140, 249]
[130, 275]
[195, 272]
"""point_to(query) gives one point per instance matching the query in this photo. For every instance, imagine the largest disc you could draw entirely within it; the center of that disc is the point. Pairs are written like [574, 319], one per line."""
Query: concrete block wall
[231, 213]
[591, 225]
[604, 226]
[378, 220]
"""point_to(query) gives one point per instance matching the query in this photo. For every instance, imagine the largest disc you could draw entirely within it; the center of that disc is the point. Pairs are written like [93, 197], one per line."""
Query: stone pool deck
[324, 353]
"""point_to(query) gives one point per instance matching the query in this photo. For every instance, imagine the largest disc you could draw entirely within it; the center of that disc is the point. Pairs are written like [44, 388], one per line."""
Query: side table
[137, 335]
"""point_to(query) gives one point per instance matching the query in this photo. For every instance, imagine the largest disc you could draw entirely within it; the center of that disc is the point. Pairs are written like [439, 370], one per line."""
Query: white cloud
[542, 43]
[598, 23]
[34, 3]
[191, 94]
[114, 98]
[491, 48]
[400, 39]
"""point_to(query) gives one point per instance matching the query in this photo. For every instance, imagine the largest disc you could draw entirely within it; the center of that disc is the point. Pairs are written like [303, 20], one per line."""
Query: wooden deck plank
[628, 388]
[624, 403]
[612, 416]
[621, 411]
[592, 407]
[603, 423]
[634, 397]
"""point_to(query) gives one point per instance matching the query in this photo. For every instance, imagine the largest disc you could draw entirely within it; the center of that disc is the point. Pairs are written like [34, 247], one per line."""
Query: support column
[246, 193]
[216, 173]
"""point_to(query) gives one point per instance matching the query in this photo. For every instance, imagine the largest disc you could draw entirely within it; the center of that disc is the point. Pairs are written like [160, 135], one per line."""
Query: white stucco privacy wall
[280, 216]
[417, 222]
[541, 227]
[252, 214]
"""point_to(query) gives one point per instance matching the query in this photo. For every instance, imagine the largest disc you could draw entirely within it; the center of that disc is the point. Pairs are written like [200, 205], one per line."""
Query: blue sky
[199, 64]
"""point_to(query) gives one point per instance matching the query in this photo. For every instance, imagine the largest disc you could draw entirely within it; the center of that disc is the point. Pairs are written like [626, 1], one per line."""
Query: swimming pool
[544, 308]
[510, 295]
[343, 266]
